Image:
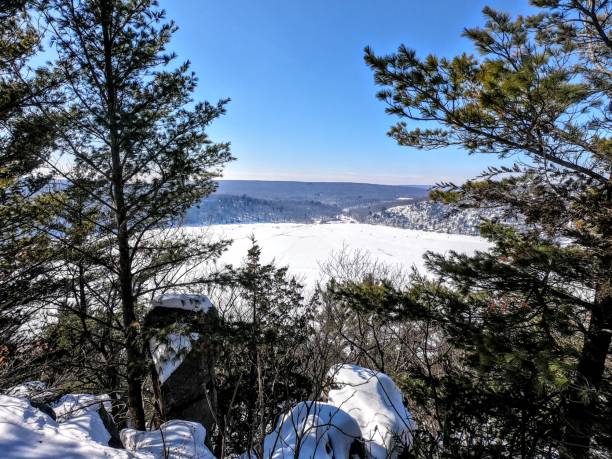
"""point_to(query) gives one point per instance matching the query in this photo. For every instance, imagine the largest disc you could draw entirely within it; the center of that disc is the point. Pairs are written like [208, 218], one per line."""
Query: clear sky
[303, 101]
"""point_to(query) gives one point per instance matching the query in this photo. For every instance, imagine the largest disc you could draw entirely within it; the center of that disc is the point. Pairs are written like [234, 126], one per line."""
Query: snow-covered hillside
[303, 247]
[433, 216]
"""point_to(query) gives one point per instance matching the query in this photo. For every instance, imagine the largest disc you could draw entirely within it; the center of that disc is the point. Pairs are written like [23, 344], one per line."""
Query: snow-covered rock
[376, 403]
[31, 390]
[314, 430]
[174, 439]
[169, 352]
[79, 417]
[26, 432]
[184, 357]
[188, 302]
[363, 417]
[70, 406]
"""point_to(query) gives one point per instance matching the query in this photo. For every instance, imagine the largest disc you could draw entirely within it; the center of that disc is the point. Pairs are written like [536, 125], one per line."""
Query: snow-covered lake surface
[303, 247]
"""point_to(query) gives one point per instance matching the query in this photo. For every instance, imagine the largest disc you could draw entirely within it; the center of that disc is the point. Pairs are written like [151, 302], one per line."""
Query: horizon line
[323, 181]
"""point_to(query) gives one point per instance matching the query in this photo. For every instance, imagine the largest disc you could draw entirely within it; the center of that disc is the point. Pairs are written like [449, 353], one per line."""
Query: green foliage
[27, 138]
[531, 318]
[263, 361]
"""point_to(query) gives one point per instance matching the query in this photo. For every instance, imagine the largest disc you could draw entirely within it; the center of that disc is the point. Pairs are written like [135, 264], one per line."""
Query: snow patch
[376, 403]
[188, 302]
[168, 353]
[174, 439]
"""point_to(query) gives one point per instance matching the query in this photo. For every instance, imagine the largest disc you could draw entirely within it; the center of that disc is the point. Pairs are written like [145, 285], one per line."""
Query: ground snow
[79, 418]
[375, 402]
[28, 433]
[175, 439]
[319, 430]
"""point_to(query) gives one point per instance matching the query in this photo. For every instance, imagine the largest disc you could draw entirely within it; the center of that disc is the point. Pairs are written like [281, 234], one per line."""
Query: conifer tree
[138, 139]
[533, 316]
[263, 362]
[26, 138]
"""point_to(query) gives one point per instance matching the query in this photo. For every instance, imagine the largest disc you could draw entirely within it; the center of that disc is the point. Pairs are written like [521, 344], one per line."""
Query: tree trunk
[581, 405]
[253, 399]
[135, 358]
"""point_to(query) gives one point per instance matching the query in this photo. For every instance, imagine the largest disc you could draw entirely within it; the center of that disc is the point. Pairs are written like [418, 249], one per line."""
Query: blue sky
[303, 101]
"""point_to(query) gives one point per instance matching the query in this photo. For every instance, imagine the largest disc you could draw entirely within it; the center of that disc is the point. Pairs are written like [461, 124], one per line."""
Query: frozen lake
[303, 247]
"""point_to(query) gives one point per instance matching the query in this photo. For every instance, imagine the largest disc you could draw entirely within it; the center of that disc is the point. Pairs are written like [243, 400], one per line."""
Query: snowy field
[303, 247]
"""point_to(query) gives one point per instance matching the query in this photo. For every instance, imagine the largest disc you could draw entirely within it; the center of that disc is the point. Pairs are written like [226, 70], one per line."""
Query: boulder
[110, 425]
[377, 405]
[180, 328]
[314, 430]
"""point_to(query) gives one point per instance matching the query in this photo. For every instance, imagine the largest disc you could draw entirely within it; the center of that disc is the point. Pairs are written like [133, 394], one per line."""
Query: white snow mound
[376, 403]
[321, 430]
[28, 433]
[175, 439]
[188, 302]
[78, 416]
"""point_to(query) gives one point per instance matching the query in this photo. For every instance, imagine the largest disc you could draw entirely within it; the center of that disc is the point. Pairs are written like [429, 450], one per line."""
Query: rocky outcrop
[180, 328]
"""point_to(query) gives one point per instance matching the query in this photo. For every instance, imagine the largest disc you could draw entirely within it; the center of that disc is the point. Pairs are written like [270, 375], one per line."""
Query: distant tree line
[224, 209]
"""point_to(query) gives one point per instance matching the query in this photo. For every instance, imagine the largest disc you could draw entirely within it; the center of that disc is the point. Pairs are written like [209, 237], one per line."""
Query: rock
[180, 328]
[45, 408]
[376, 403]
[111, 427]
[314, 430]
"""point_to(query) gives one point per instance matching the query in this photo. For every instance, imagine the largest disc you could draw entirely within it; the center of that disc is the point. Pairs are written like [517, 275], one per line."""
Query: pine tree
[82, 332]
[533, 316]
[138, 136]
[26, 139]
